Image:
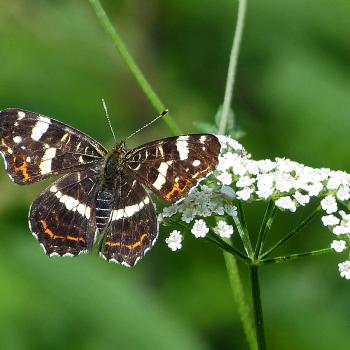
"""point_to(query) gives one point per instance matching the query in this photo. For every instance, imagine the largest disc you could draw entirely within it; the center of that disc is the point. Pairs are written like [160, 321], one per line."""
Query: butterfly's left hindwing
[35, 147]
[133, 227]
[62, 218]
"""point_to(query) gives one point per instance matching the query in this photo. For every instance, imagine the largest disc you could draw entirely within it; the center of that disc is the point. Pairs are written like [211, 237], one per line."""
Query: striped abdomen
[104, 202]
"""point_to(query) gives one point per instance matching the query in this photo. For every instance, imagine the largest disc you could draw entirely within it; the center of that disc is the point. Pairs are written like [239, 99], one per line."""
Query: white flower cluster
[289, 184]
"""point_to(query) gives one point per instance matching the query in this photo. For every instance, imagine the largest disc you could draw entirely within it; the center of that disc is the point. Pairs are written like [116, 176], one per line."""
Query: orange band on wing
[129, 246]
[54, 236]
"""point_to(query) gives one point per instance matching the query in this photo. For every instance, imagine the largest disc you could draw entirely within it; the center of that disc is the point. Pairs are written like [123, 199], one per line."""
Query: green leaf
[206, 127]
[230, 120]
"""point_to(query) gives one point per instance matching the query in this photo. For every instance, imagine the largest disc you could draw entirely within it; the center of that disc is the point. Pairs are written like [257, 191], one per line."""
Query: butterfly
[103, 196]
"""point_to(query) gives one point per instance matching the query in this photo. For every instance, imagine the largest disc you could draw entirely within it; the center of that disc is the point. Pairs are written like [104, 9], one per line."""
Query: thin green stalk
[134, 68]
[258, 313]
[265, 227]
[226, 247]
[244, 237]
[242, 6]
[238, 295]
[281, 259]
[292, 233]
[242, 228]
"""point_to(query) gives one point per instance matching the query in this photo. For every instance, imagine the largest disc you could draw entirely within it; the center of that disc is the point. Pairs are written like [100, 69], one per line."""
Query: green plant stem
[265, 227]
[258, 314]
[241, 226]
[242, 6]
[134, 68]
[292, 233]
[281, 259]
[238, 296]
[212, 237]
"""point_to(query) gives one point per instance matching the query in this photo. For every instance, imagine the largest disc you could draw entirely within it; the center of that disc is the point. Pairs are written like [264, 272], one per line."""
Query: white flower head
[223, 229]
[344, 269]
[174, 241]
[302, 199]
[225, 178]
[330, 220]
[245, 193]
[200, 228]
[230, 209]
[286, 203]
[338, 246]
[329, 204]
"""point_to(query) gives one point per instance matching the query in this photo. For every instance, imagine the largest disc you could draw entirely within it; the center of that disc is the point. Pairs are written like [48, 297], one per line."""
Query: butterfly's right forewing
[35, 147]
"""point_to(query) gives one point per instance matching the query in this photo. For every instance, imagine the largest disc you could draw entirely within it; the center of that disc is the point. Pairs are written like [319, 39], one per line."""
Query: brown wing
[62, 218]
[170, 167]
[35, 147]
[133, 227]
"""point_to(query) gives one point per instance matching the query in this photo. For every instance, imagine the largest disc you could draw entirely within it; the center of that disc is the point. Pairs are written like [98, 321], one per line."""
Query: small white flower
[245, 193]
[230, 209]
[341, 230]
[266, 165]
[200, 228]
[330, 220]
[223, 229]
[315, 189]
[302, 199]
[245, 181]
[338, 246]
[286, 203]
[344, 269]
[188, 214]
[343, 193]
[170, 211]
[329, 204]
[174, 240]
[225, 178]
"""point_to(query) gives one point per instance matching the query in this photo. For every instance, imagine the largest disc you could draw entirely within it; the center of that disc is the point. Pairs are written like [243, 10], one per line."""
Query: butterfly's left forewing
[35, 147]
[170, 167]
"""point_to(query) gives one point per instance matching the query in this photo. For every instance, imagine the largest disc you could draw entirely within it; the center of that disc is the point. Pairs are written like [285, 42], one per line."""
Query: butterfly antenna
[161, 115]
[109, 122]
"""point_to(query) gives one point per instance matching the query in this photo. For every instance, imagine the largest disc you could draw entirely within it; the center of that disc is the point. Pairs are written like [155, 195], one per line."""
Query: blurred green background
[292, 97]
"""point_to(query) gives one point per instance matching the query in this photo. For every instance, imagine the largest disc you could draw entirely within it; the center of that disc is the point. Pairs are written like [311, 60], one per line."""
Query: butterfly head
[120, 150]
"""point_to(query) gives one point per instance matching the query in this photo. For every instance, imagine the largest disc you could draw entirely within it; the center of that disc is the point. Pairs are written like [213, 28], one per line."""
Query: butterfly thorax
[111, 170]
[114, 162]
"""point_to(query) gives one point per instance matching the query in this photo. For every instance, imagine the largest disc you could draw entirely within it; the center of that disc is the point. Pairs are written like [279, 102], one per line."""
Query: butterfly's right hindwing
[62, 218]
[35, 147]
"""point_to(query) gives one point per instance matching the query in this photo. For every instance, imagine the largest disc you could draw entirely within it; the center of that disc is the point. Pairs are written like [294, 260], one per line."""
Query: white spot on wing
[163, 168]
[40, 128]
[45, 165]
[181, 146]
[202, 139]
[21, 115]
[196, 162]
[128, 211]
[17, 139]
[72, 203]
[28, 159]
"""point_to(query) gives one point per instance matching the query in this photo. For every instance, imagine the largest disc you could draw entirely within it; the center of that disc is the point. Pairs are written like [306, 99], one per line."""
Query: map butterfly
[103, 195]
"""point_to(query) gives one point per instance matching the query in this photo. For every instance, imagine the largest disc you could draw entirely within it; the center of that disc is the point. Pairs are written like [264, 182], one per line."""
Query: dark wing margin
[170, 167]
[133, 227]
[62, 218]
[35, 147]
